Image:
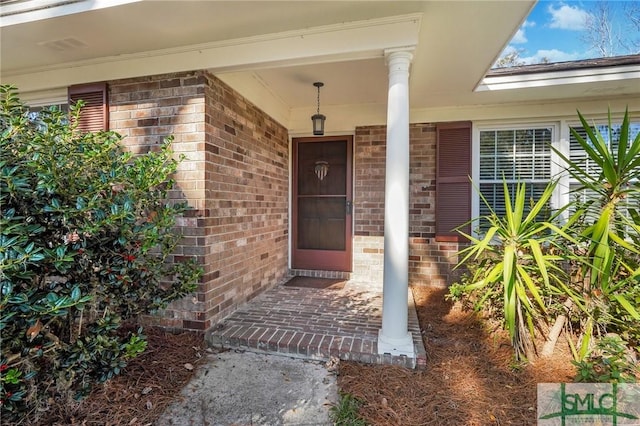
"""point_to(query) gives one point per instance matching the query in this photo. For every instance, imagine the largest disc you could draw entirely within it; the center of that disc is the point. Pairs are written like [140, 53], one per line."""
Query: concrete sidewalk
[245, 388]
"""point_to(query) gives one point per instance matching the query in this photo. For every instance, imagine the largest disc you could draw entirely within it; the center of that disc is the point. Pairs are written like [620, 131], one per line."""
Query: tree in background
[607, 39]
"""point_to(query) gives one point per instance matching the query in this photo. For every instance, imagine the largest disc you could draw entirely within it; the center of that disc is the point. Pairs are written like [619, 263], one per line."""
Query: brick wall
[368, 203]
[235, 178]
[247, 172]
[430, 262]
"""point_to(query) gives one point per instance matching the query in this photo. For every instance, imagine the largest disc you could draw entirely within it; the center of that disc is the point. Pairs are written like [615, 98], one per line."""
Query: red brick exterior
[235, 178]
[430, 262]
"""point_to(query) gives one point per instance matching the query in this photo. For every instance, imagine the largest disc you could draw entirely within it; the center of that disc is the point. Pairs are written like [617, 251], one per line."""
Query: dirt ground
[470, 378]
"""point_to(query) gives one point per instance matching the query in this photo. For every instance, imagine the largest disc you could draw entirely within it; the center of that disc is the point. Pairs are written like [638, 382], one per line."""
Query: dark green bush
[85, 239]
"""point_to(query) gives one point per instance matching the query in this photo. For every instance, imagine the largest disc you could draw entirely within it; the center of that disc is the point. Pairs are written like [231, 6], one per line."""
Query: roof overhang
[272, 52]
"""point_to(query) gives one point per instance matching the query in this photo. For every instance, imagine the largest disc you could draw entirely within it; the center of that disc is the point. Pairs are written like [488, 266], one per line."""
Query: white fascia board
[45, 97]
[338, 42]
[36, 10]
[557, 78]
[527, 111]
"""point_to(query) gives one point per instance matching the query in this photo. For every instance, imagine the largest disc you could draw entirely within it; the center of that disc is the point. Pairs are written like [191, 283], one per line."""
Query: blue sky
[556, 30]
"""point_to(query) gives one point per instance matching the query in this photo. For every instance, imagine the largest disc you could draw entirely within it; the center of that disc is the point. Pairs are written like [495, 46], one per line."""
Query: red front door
[322, 203]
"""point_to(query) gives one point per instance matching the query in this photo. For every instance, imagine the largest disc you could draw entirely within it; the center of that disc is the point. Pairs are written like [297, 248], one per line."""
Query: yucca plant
[608, 255]
[519, 259]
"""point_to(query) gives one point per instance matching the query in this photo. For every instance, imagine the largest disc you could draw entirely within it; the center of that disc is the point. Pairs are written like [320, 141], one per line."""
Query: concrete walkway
[244, 388]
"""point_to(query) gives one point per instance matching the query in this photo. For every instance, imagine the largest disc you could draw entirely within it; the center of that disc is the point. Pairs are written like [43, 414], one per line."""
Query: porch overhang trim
[361, 39]
[546, 79]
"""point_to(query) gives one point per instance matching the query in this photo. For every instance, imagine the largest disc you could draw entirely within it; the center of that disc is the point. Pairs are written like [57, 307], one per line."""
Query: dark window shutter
[453, 184]
[95, 112]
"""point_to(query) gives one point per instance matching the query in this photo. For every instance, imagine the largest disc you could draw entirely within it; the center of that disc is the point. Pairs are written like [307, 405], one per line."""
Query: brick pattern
[145, 111]
[368, 260]
[247, 176]
[316, 273]
[316, 324]
[369, 172]
[235, 178]
[430, 262]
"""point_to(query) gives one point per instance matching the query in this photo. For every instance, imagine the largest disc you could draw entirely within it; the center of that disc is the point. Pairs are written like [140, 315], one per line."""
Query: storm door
[322, 203]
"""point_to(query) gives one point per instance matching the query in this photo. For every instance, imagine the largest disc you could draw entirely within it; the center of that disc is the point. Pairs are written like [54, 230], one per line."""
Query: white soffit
[558, 78]
[329, 43]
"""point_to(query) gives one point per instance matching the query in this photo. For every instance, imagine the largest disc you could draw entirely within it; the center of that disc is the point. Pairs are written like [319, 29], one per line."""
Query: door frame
[326, 260]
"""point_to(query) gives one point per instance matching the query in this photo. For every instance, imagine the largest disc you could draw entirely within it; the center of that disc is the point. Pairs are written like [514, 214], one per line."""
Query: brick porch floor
[315, 324]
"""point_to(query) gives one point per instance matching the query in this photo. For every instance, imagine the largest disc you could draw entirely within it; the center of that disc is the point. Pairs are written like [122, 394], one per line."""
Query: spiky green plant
[609, 237]
[519, 260]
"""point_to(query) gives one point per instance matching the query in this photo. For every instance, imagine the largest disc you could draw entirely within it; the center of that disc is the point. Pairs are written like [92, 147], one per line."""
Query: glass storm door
[322, 206]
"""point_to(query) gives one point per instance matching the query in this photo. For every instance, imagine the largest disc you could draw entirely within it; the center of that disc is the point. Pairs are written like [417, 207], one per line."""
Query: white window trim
[45, 97]
[560, 128]
[554, 125]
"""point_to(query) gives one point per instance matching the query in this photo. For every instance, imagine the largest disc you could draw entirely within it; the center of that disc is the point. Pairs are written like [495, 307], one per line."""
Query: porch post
[394, 337]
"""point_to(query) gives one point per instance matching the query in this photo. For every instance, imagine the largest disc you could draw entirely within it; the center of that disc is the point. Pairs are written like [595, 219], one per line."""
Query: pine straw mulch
[470, 378]
[148, 385]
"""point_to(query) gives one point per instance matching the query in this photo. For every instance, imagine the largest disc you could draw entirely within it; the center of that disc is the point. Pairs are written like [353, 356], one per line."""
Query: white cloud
[553, 55]
[568, 17]
[519, 37]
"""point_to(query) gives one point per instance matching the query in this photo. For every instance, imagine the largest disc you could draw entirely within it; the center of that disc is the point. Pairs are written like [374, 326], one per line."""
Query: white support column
[394, 337]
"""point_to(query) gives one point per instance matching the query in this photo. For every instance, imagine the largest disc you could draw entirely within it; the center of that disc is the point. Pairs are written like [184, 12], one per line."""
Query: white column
[394, 337]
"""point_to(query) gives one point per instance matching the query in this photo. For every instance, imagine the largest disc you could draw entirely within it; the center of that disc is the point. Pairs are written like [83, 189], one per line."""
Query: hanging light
[317, 118]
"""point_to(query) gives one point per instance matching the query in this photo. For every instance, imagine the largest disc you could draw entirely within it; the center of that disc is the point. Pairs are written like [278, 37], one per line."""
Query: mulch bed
[140, 395]
[470, 379]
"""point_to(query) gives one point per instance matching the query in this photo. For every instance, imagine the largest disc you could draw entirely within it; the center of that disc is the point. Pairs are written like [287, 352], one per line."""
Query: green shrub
[610, 362]
[584, 270]
[85, 239]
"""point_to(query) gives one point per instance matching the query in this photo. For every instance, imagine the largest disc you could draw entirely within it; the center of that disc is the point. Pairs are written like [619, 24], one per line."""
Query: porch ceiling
[272, 51]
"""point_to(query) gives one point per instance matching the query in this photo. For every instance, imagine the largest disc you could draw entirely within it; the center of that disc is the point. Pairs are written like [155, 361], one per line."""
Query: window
[34, 112]
[579, 157]
[515, 155]
[522, 153]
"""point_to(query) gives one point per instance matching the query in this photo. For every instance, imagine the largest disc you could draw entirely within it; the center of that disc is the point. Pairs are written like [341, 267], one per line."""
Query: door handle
[349, 207]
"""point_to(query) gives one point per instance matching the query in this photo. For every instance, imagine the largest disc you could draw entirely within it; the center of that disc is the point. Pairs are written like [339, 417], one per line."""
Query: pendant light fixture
[317, 118]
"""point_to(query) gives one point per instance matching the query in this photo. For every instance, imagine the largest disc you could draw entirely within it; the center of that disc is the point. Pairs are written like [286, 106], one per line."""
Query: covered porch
[318, 319]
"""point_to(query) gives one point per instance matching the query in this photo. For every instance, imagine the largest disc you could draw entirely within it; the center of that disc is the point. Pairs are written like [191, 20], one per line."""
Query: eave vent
[64, 44]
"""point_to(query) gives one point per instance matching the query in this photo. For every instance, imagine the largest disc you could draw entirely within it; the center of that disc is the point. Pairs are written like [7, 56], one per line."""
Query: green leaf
[508, 208]
[6, 289]
[586, 339]
[624, 138]
[36, 257]
[533, 289]
[627, 306]
[518, 210]
[76, 293]
[80, 203]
